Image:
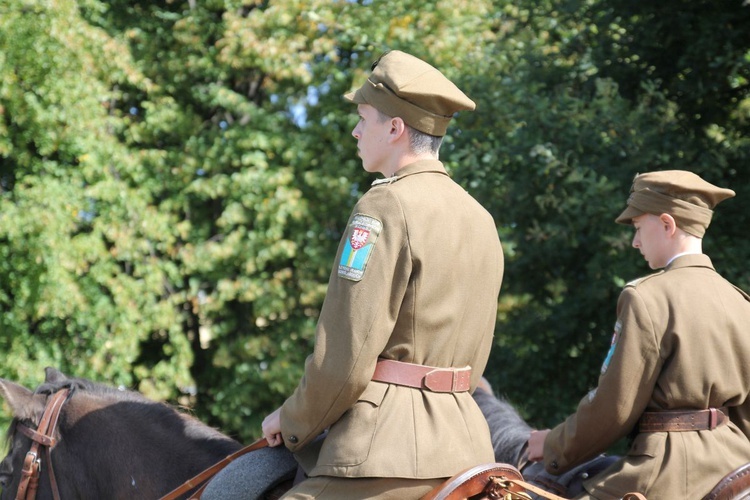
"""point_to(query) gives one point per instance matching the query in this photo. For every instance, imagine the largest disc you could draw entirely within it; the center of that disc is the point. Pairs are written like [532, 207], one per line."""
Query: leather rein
[203, 477]
[42, 437]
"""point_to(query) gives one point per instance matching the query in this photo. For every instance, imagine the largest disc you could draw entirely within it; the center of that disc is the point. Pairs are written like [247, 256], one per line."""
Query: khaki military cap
[403, 86]
[681, 194]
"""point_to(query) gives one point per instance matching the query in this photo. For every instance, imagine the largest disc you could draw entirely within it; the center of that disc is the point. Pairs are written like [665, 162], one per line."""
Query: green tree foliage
[698, 56]
[695, 51]
[175, 177]
[565, 140]
[83, 272]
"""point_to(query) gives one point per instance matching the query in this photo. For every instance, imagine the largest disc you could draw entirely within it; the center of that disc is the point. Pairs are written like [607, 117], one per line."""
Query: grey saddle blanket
[248, 477]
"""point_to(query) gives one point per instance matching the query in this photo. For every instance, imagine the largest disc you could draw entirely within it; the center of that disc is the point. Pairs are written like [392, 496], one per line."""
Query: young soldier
[677, 375]
[408, 320]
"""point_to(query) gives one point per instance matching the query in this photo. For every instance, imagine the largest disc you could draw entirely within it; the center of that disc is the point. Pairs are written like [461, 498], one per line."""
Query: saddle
[734, 486]
[502, 481]
[495, 481]
[489, 481]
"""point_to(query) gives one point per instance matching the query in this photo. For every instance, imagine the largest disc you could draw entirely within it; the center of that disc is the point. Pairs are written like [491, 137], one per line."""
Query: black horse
[114, 443]
[111, 443]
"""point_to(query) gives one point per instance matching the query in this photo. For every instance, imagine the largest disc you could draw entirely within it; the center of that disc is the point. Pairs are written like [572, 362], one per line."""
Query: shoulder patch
[592, 394]
[361, 235]
[612, 346]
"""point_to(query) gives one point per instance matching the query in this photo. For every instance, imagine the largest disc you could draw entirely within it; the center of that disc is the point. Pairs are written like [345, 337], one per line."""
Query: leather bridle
[42, 437]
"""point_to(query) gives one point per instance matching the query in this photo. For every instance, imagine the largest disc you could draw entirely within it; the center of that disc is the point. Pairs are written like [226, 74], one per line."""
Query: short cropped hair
[420, 143]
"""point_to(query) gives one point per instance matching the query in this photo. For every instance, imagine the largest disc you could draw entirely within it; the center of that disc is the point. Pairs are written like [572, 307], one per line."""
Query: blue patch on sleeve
[361, 235]
[613, 345]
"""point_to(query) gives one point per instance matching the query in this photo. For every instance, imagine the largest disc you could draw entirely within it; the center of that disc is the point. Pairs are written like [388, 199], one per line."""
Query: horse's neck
[509, 432]
[134, 448]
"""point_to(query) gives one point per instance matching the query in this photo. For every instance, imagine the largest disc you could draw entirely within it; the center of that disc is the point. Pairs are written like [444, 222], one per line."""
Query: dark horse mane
[145, 408]
[509, 432]
[113, 443]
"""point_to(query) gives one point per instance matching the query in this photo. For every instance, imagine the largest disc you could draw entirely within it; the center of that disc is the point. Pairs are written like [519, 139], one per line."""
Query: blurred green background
[175, 177]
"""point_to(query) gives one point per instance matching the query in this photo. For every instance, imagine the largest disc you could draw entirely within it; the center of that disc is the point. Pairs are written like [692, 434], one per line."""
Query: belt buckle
[437, 380]
[713, 418]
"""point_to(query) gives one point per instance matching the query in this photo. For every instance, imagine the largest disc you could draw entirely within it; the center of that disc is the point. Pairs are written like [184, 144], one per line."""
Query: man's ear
[398, 129]
[669, 224]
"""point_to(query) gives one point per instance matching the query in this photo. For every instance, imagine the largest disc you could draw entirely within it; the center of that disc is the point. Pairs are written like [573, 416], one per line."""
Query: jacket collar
[418, 167]
[691, 260]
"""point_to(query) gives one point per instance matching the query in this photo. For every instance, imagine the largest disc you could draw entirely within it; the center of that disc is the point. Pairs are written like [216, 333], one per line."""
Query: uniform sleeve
[740, 415]
[356, 321]
[609, 412]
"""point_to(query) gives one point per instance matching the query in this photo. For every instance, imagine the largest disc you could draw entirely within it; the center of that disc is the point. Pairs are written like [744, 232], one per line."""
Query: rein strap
[207, 474]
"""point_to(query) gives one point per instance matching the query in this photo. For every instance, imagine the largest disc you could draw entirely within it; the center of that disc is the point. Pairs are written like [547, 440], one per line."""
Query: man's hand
[272, 428]
[536, 445]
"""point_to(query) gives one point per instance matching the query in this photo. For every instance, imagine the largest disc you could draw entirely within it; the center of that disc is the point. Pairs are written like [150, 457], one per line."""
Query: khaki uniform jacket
[682, 341]
[427, 295]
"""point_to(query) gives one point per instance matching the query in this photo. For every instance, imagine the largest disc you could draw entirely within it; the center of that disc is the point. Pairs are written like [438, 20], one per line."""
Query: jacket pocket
[647, 445]
[644, 459]
[349, 439]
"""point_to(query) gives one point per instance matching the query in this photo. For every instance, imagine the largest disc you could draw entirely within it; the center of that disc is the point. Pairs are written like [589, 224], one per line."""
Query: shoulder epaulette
[640, 280]
[387, 180]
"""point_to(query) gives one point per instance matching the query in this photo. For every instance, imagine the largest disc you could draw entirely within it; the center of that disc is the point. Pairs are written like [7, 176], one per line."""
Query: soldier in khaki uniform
[407, 324]
[677, 375]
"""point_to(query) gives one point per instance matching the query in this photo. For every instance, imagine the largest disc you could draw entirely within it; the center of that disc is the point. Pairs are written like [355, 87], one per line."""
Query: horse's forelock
[10, 433]
[53, 375]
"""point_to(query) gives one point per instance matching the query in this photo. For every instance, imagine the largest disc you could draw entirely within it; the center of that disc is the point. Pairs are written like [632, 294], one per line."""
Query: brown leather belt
[683, 420]
[423, 377]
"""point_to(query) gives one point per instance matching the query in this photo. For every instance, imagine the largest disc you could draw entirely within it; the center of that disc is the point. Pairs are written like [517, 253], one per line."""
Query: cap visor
[626, 217]
[355, 96]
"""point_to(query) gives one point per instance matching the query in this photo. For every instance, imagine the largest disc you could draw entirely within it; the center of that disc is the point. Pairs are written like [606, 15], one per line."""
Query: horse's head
[108, 442]
[26, 408]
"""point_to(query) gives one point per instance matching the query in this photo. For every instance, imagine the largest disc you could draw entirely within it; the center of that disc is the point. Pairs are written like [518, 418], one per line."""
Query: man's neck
[689, 245]
[408, 159]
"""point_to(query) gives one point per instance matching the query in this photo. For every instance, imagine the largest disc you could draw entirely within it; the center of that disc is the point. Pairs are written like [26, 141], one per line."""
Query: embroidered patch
[592, 394]
[361, 236]
[615, 336]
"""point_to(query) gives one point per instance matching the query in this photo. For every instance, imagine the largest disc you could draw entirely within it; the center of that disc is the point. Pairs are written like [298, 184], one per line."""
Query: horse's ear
[23, 403]
[54, 376]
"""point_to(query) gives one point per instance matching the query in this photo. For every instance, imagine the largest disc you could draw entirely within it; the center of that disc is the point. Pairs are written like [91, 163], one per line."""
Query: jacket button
[293, 439]
[554, 465]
